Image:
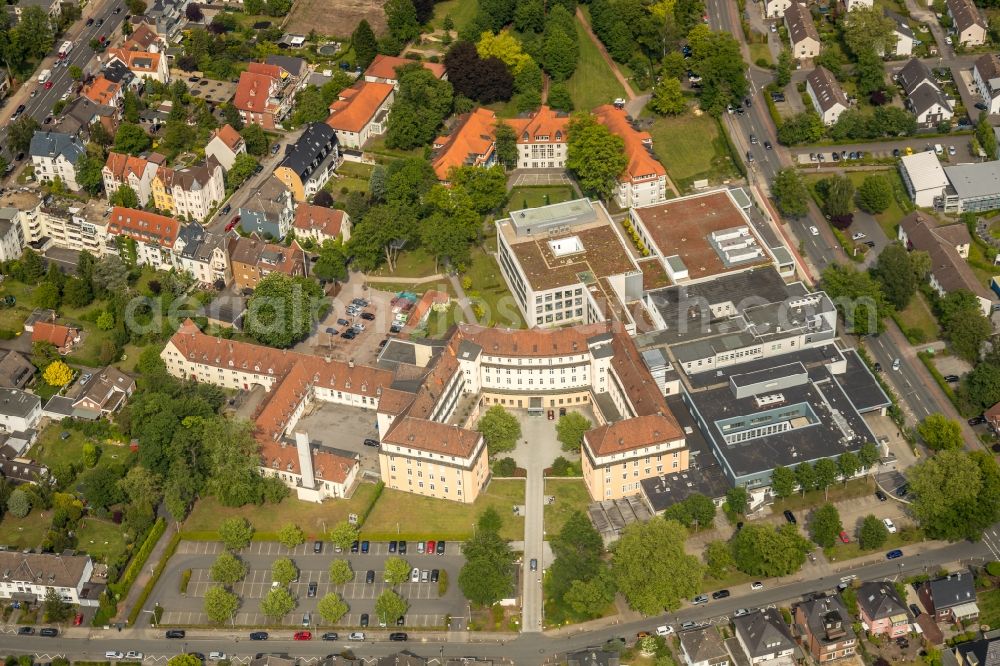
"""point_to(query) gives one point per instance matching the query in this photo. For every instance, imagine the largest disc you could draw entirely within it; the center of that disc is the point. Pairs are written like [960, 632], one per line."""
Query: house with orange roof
[321, 224]
[61, 337]
[104, 91]
[383, 69]
[225, 144]
[472, 142]
[361, 112]
[150, 237]
[541, 139]
[142, 64]
[644, 181]
[136, 172]
[253, 259]
[265, 94]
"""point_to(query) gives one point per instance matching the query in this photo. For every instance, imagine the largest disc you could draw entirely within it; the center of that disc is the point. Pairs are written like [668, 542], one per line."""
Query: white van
[938, 149]
[45, 75]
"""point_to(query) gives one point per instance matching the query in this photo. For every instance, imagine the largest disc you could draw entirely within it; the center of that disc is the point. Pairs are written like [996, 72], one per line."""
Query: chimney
[305, 459]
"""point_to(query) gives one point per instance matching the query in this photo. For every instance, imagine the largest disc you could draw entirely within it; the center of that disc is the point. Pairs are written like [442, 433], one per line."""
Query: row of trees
[806, 477]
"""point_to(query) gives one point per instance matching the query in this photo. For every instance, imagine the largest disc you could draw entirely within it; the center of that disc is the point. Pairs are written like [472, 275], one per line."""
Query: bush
[122, 586]
[993, 568]
[185, 580]
[504, 467]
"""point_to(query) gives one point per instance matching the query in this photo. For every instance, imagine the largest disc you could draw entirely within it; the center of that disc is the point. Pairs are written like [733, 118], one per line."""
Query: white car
[357, 636]
[947, 40]
[113, 655]
[757, 585]
[857, 235]
[814, 231]
[740, 612]
[895, 364]
[664, 630]
[133, 656]
[951, 150]
[415, 576]
[889, 526]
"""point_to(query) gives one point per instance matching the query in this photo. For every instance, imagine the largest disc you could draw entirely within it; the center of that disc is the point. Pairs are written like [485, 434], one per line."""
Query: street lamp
[152, 621]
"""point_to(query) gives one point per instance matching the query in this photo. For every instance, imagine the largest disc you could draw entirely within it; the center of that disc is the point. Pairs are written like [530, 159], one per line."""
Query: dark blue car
[893, 554]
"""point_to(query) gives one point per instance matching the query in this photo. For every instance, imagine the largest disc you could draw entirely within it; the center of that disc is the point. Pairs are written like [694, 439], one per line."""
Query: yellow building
[162, 189]
[618, 456]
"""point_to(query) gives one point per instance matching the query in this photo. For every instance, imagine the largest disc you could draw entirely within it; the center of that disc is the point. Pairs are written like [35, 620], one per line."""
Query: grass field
[918, 315]
[410, 264]
[691, 148]
[411, 516]
[26, 532]
[593, 83]
[890, 217]
[386, 154]
[352, 176]
[759, 51]
[101, 539]
[534, 196]
[461, 11]
[311, 517]
[989, 606]
[490, 288]
[571, 496]
[51, 450]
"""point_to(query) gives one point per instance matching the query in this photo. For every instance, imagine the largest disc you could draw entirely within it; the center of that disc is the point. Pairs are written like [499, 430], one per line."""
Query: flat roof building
[972, 188]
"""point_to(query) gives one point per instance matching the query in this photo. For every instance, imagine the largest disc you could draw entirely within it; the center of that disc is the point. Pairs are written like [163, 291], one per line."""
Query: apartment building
[136, 172]
[541, 139]
[69, 224]
[986, 77]
[203, 255]
[826, 625]
[225, 144]
[321, 224]
[644, 181]
[142, 238]
[54, 155]
[191, 192]
[269, 211]
[361, 112]
[11, 234]
[802, 34]
[19, 410]
[310, 161]
[30, 576]
[265, 94]
[472, 142]
[252, 259]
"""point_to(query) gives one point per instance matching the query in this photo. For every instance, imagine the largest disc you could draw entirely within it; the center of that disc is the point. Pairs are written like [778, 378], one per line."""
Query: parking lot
[428, 608]
[884, 150]
[343, 427]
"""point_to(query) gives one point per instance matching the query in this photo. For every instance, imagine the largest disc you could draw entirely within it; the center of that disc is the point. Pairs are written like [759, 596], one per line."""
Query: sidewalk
[125, 605]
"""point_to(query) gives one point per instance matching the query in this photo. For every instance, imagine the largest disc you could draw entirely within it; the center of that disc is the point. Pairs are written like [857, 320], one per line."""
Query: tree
[187, 659]
[594, 155]
[783, 72]
[652, 569]
[421, 106]
[718, 558]
[220, 604]
[364, 43]
[858, 296]
[228, 569]
[33, 37]
[20, 131]
[236, 533]
[870, 74]
[717, 59]
[90, 454]
[277, 603]
[896, 275]
[243, 167]
[763, 550]
[560, 53]
[737, 499]
[838, 195]
[560, 98]
[88, 173]
[485, 80]
[868, 455]
[401, 16]
[848, 465]
[986, 137]
[55, 609]
[956, 494]
[696, 509]
[124, 196]
[875, 194]
[340, 572]
[826, 473]
[868, 30]
[570, 430]
[390, 606]
[255, 139]
[873, 533]
[577, 549]
[589, 598]
[282, 309]
[668, 97]
[790, 192]
[825, 526]
[344, 534]
[310, 106]
[963, 324]
[782, 481]
[19, 503]
[57, 374]
[284, 571]
[804, 127]
[397, 570]
[500, 429]
[486, 576]
[131, 139]
[105, 321]
[486, 188]
[331, 608]
[982, 385]
[805, 474]
[939, 432]
[332, 262]
[290, 535]
[506, 145]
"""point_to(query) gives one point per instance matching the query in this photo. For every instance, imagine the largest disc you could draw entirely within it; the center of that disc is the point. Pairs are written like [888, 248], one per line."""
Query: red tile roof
[143, 226]
[357, 106]
[545, 122]
[640, 162]
[57, 334]
[101, 91]
[631, 434]
[384, 67]
[228, 136]
[253, 91]
[263, 68]
[533, 342]
[432, 436]
[470, 142]
[326, 221]
[122, 165]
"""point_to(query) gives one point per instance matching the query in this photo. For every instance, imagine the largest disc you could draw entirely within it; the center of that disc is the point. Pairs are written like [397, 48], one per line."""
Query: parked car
[893, 554]
[415, 575]
[951, 379]
[355, 545]
[844, 538]
[551, 415]
[397, 636]
[790, 517]
[700, 599]
[533, 564]
[664, 630]
[303, 636]
[370, 577]
[258, 636]
[440, 547]
[365, 546]
[26, 631]
[357, 636]
[720, 594]
[48, 632]
[132, 655]
[740, 612]
[814, 231]
[392, 546]
[889, 525]
[977, 420]
[435, 575]
[173, 633]
[374, 442]
[317, 547]
[756, 585]
[882, 497]
[688, 625]
[402, 548]
[857, 235]
[364, 619]
[312, 589]
[430, 547]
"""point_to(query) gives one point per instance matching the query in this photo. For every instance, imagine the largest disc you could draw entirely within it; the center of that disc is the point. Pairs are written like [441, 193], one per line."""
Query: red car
[78, 620]
[303, 636]
[430, 547]
[48, 85]
[844, 537]
[233, 223]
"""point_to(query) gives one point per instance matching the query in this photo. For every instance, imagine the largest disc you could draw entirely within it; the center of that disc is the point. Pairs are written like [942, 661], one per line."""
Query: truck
[65, 49]
[45, 75]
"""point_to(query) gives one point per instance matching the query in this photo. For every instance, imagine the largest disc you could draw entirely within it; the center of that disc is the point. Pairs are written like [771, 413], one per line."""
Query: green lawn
[848, 551]
[409, 516]
[416, 288]
[26, 532]
[386, 154]
[461, 11]
[989, 606]
[571, 496]
[758, 51]
[534, 196]
[691, 148]
[352, 177]
[888, 219]
[836, 493]
[101, 539]
[593, 83]
[490, 288]
[410, 264]
[918, 316]
[268, 518]
[437, 324]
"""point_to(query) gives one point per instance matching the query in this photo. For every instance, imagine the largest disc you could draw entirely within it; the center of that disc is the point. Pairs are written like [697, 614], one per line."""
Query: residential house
[472, 142]
[142, 64]
[225, 144]
[265, 94]
[826, 95]
[81, 114]
[905, 39]
[104, 92]
[802, 33]
[146, 239]
[644, 181]
[70, 224]
[986, 76]
[361, 112]
[4, 82]
[948, 247]
[992, 416]
[144, 38]
[882, 610]
[383, 69]
[296, 67]
[37, 315]
[595, 656]
[105, 392]
[15, 370]
[54, 155]
[136, 172]
[704, 647]
[913, 75]
[19, 410]
[775, 8]
[191, 192]
[269, 211]
[202, 254]
[929, 104]
[63, 338]
[952, 598]
[29, 576]
[252, 260]
[541, 139]
[310, 161]
[969, 25]
[12, 238]
[321, 224]
[765, 637]
[52, 8]
[824, 627]
[166, 17]
[982, 651]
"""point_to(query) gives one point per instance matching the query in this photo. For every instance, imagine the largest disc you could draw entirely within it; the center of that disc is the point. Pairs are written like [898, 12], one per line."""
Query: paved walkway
[144, 576]
[463, 300]
[404, 280]
[604, 54]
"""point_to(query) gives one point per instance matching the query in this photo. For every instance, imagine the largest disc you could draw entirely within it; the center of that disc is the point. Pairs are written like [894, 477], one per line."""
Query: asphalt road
[527, 648]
